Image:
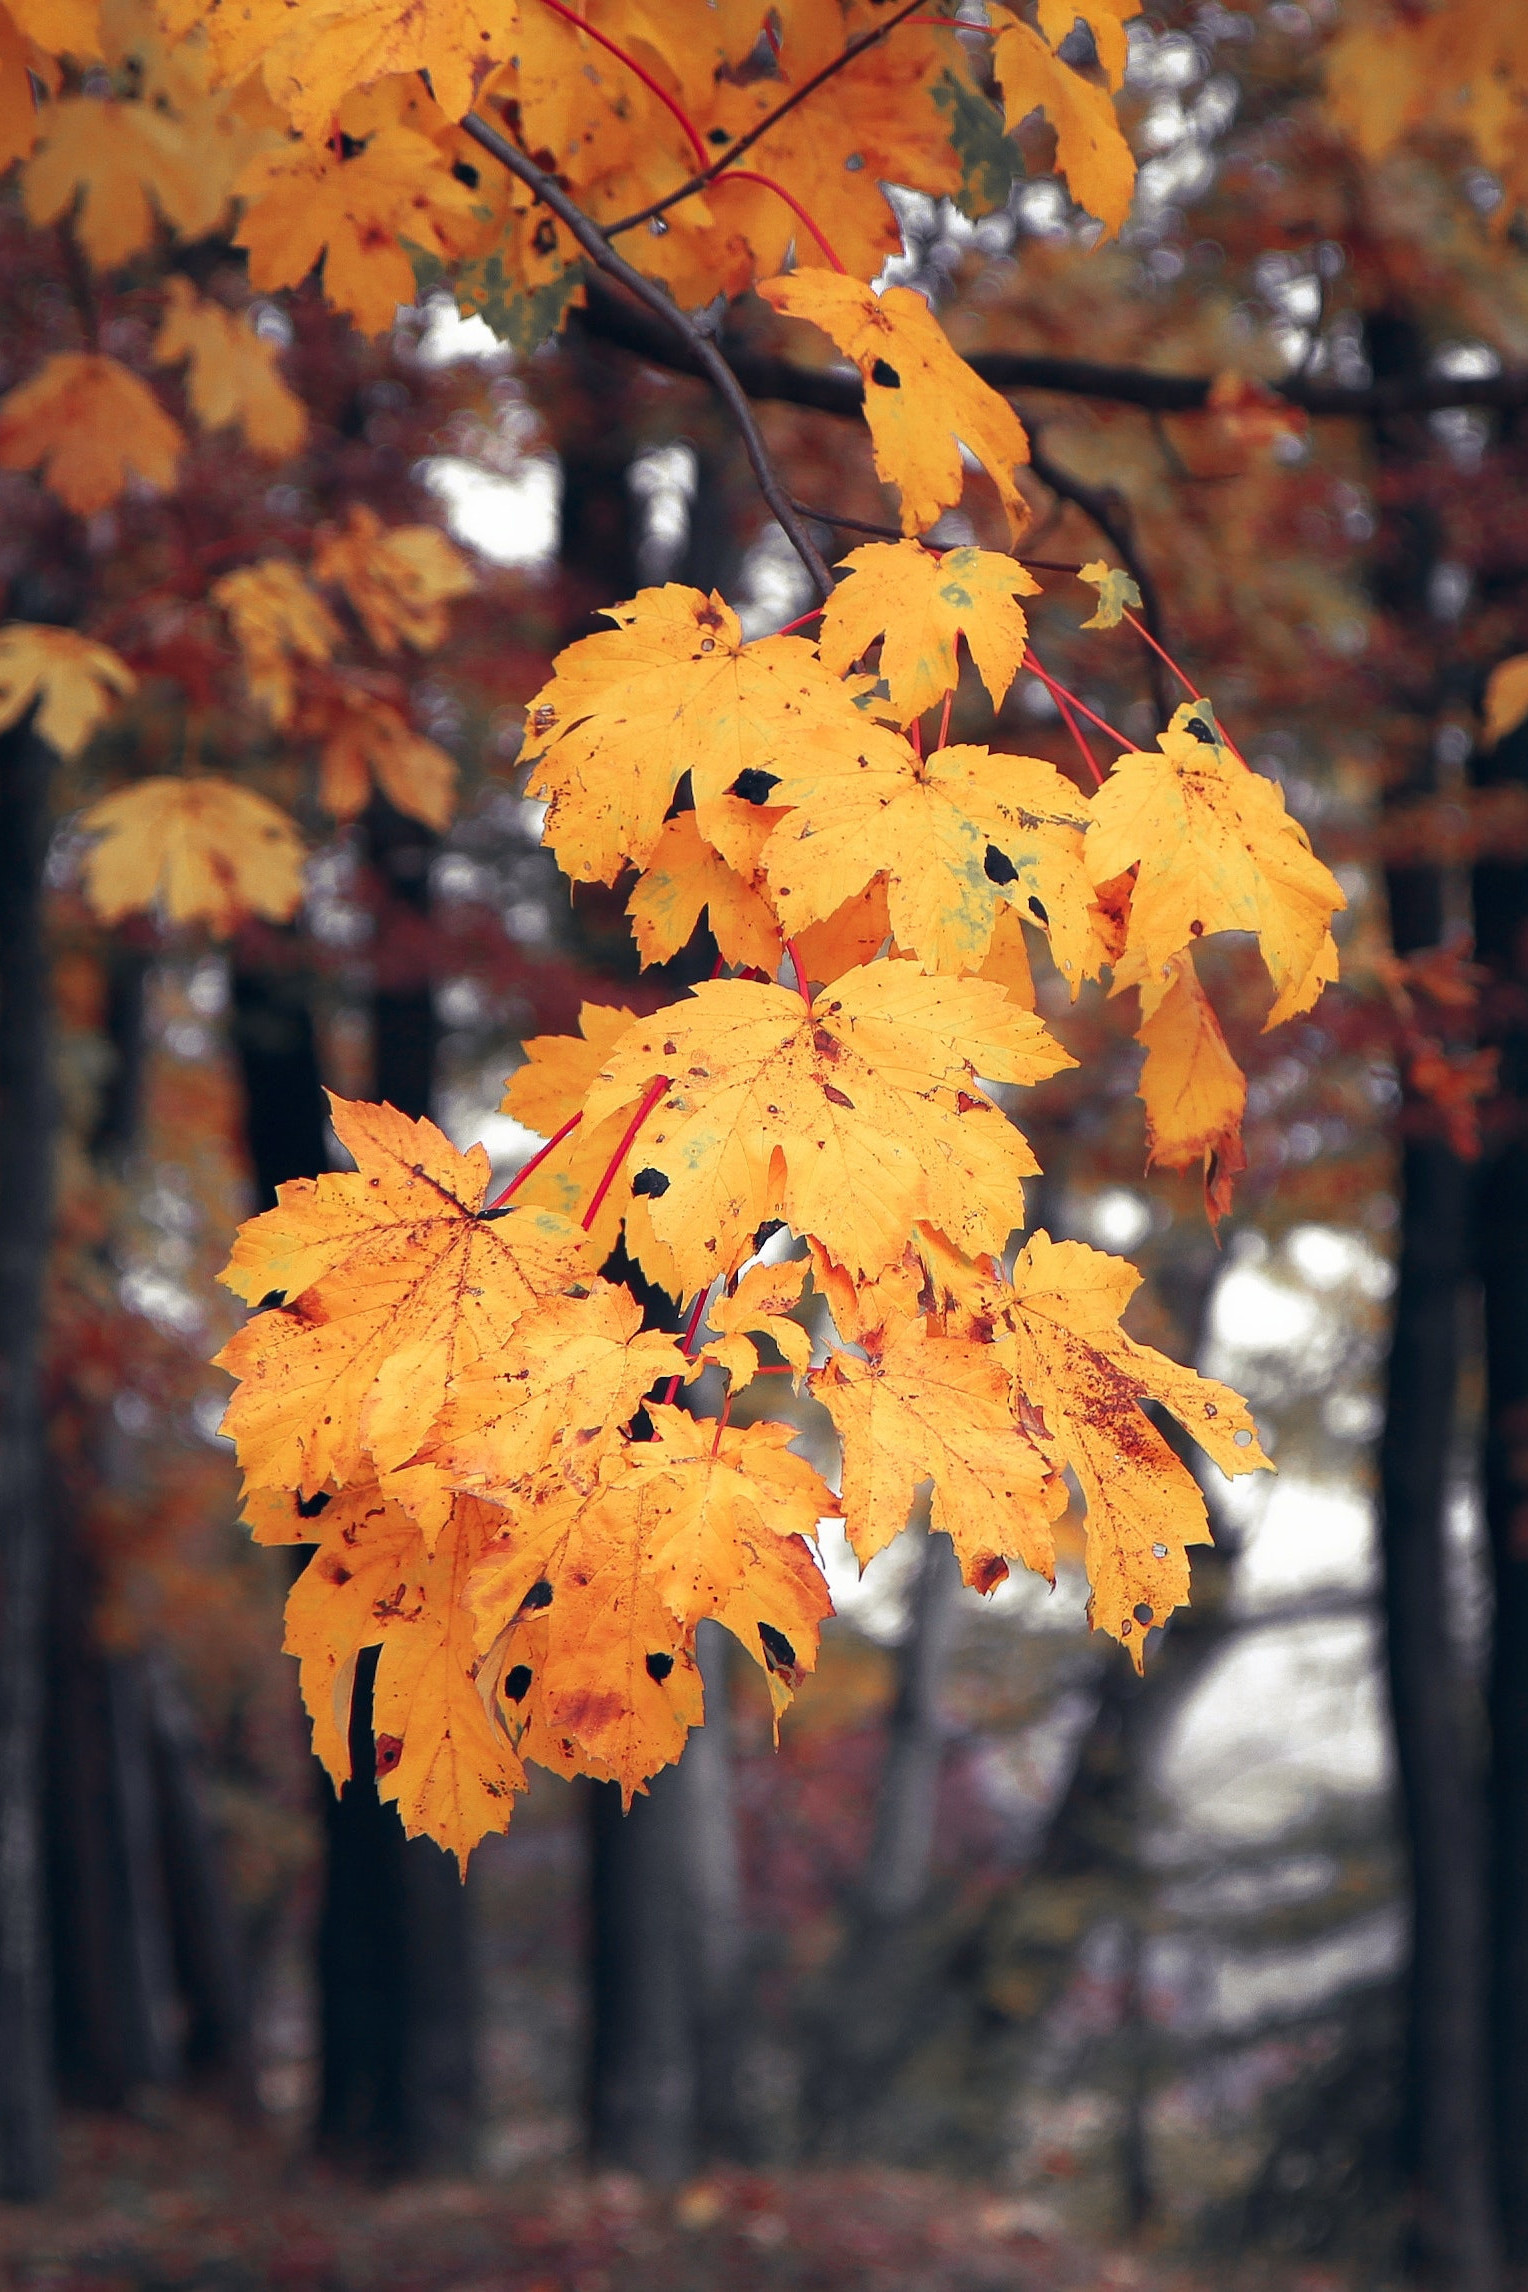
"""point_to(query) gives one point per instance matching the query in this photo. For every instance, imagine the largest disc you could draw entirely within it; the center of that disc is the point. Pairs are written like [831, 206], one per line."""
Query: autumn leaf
[1116, 591]
[89, 426]
[1082, 1381]
[383, 1284]
[672, 689]
[920, 604]
[312, 57]
[398, 579]
[201, 851]
[760, 1304]
[20, 121]
[1194, 1092]
[922, 400]
[1214, 850]
[371, 1583]
[368, 741]
[73, 683]
[929, 1408]
[957, 834]
[232, 376]
[1091, 151]
[685, 879]
[558, 1391]
[113, 168]
[558, 1069]
[847, 1118]
[306, 203]
[1105, 19]
[1506, 698]
[63, 27]
[277, 620]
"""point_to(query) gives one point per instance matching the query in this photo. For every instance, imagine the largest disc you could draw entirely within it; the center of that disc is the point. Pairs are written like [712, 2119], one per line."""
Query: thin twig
[771, 119]
[705, 352]
[1110, 513]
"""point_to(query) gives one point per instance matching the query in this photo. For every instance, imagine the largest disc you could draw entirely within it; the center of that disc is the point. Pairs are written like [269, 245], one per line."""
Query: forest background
[994, 1909]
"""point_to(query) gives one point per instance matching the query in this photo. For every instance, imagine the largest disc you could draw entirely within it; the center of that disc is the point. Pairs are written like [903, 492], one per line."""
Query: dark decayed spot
[389, 1752]
[887, 376]
[517, 1683]
[465, 172]
[754, 786]
[778, 1652]
[651, 1182]
[830, 1091]
[998, 867]
[659, 1667]
[309, 1507]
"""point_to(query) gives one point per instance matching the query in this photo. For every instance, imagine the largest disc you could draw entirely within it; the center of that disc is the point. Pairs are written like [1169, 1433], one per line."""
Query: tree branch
[720, 165]
[707, 359]
[1110, 512]
[836, 391]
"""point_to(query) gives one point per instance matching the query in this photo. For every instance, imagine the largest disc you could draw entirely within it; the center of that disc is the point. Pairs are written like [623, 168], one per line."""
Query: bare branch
[771, 119]
[707, 359]
[1110, 512]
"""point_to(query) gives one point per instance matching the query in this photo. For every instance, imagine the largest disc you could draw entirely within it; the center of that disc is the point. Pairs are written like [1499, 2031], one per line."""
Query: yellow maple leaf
[558, 1069]
[1007, 959]
[1506, 698]
[1214, 850]
[73, 683]
[312, 57]
[399, 579]
[1105, 19]
[63, 27]
[685, 878]
[920, 605]
[1091, 151]
[559, 1390]
[371, 1583]
[353, 209]
[202, 851]
[956, 833]
[113, 167]
[1083, 1381]
[278, 619]
[761, 1303]
[1194, 1092]
[922, 400]
[20, 60]
[1115, 589]
[88, 425]
[848, 1118]
[931, 1408]
[368, 740]
[232, 375]
[391, 1282]
[671, 689]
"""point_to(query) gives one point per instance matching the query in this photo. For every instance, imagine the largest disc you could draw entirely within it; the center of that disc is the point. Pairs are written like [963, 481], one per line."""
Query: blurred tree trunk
[28, 1124]
[395, 1961]
[1448, 2131]
[1501, 946]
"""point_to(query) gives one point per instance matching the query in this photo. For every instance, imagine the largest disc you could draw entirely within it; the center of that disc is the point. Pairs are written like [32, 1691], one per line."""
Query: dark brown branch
[1110, 512]
[771, 119]
[835, 390]
[707, 359]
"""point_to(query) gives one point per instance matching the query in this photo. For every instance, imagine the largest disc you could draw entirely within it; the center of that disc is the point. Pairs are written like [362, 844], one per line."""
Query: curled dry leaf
[73, 682]
[200, 851]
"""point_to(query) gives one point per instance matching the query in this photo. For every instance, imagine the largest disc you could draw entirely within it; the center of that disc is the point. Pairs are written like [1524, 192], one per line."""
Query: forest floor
[186, 2200]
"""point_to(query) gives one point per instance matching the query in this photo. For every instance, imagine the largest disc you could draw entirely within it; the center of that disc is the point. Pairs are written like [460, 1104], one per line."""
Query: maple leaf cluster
[808, 1156]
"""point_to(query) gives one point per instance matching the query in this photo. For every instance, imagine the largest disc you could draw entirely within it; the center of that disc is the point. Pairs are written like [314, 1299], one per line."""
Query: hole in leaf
[1243, 1439]
[1196, 726]
[517, 1684]
[684, 797]
[718, 136]
[1038, 912]
[650, 1182]
[659, 1667]
[271, 1298]
[465, 172]
[997, 867]
[1159, 1551]
[887, 376]
[309, 1507]
[778, 1652]
[754, 786]
[1145, 1614]
[539, 1596]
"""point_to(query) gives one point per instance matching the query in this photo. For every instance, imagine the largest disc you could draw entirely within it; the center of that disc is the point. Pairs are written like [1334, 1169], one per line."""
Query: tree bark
[28, 1122]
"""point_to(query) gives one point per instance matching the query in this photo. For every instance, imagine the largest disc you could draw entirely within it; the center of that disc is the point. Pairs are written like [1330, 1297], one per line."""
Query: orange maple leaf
[399, 579]
[90, 426]
[202, 851]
